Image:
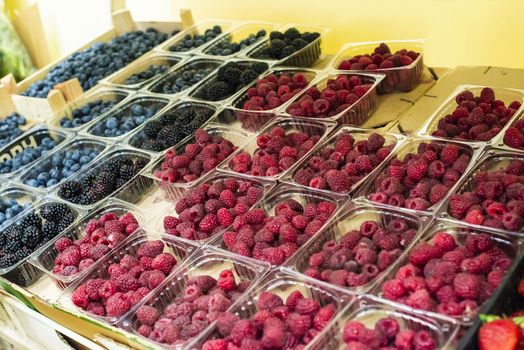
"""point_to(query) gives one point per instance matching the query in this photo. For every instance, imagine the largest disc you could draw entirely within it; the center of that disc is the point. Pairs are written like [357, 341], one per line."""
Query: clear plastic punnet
[493, 161]
[179, 250]
[462, 305]
[315, 129]
[368, 310]
[101, 94]
[185, 77]
[281, 283]
[136, 75]
[46, 259]
[404, 78]
[53, 168]
[404, 228]
[392, 141]
[17, 155]
[174, 189]
[353, 113]
[447, 108]
[304, 57]
[207, 261]
[15, 195]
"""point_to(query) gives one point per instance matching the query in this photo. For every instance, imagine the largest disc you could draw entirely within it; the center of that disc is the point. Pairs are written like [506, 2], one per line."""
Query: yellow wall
[459, 32]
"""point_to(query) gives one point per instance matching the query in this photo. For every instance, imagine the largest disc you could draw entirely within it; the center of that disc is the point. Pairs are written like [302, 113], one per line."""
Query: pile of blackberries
[190, 42]
[226, 47]
[282, 45]
[98, 61]
[230, 78]
[86, 113]
[10, 128]
[35, 229]
[172, 127]
[101, 181]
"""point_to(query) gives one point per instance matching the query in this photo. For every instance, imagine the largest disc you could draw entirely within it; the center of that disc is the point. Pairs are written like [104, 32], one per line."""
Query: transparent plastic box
[240, 33]
[449, 105]
[404, 78]
[355, 114]
[22, 272]
[350, 218]
[174, 190]
[492, 159]
[100, 93]
[206, 261]
[46, 164]
[133, 188]
[45, 259]
[510, 245]
[368, 310]
[310, 127]
[21, 195]
[393, 140]
[254, 120]
[125, 110]
[410, 147]
[281, 283]
[198, 29]
[174, 194]
[30, 140]
[283, 193]
[180, 250]
[141, 65]
[304, 57]
[199, 92]
[206, 65]
[136, 138]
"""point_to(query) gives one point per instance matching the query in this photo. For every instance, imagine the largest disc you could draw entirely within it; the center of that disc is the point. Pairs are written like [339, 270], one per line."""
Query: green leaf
[488, 318]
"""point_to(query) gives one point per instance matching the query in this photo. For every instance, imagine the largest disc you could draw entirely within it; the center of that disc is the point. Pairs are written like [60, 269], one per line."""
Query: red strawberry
[499, 335]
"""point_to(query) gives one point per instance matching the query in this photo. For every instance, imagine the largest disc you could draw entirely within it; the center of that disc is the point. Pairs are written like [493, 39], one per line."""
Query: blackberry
[88, 180]
[121, 182]
[260, 67]
[248, 76]
[218, 91]
[167, 118]
[299, 43]
[152, 145]
[275, 35]
[139, 165]
[2, 239]
[106, 177]
[54, 211]
[310, 37]
[291, 34]
[63, 224]
[286, 51]
[12, 245]
[229, 74]
[152, 128]
[69, 189]
[31, 219]
[126, 172]
[49, 230]
[169, 135]
[8, 260]
[31, 236]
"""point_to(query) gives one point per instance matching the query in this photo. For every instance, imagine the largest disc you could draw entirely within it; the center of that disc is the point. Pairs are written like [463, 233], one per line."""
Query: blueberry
[84, 160]
[42, 177]
[2, 218]
[54, 174]
[112, 123]
[75, 167]
[76, 155]
[137, 110]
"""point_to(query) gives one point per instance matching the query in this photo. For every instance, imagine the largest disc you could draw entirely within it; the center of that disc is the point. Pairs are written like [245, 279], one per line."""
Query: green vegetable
[13, 55]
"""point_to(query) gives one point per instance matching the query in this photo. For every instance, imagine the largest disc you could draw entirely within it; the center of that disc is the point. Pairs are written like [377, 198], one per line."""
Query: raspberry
[116, 305]
[298, 324]
[388, 326]
[226, 281]
[393, 289]
[324, 315]
[444, 241]
[404, 339]
[514, 138]
[269, 301]
[273, 335]
[337, 181]
[420, 299]
[150, 249]
[147, 315]
[466, 285]
[62, 243]
[459, 205]
[422, 253]
[417, 170]
[163, 262]
[437, 193]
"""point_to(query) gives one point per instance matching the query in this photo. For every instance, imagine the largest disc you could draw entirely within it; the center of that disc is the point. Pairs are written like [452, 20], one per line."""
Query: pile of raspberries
[197, 159]
[273, 90]
[275, 238]
[421, 179]
[275, 325]
[200, 302]
[359, 256]
[476, 118]
[128, 281]
[448, 277]
[341, 164]
[211, 207]
[386, 334]
[101, 235]
[339, 94]
[381, 58]
[276, 152]
[496, 199]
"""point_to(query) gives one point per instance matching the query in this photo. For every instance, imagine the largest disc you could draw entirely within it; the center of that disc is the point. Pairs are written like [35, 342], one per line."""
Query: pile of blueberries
[86, 113]
[190, 42]
[151, 72]
[29, 155]
[98, 61]
[226, 47]
[180, 81]
[128, 118]
[9, 208]
[62, 165]
[10, 128]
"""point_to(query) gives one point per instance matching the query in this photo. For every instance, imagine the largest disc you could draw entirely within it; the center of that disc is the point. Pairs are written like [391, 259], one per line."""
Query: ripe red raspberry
[147, 315]
[269, 301]
[116, 305]
[422, 253]
[324, 316]
[226, 281]
[417, 169]
[393, 289]
[466, 286]
[163, 262]
[420, 299]
[337, 181]
[388, 326]
[150, 249]
[444, 241]
[353, 331]
[62, 243]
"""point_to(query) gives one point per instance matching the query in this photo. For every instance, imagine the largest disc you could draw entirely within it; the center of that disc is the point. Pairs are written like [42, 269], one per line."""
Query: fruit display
[284, 44]
[492, 196]
[344, 160]
[98, 61]
[127, 118]
[230, 78]
[172, 126]
[380, 58]
[227, 47]
[454, 271]
[202, 154]
[474, 118]
[10, 128]
[117, 284]
[191, 41]
[211, 207]
[420, 175]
